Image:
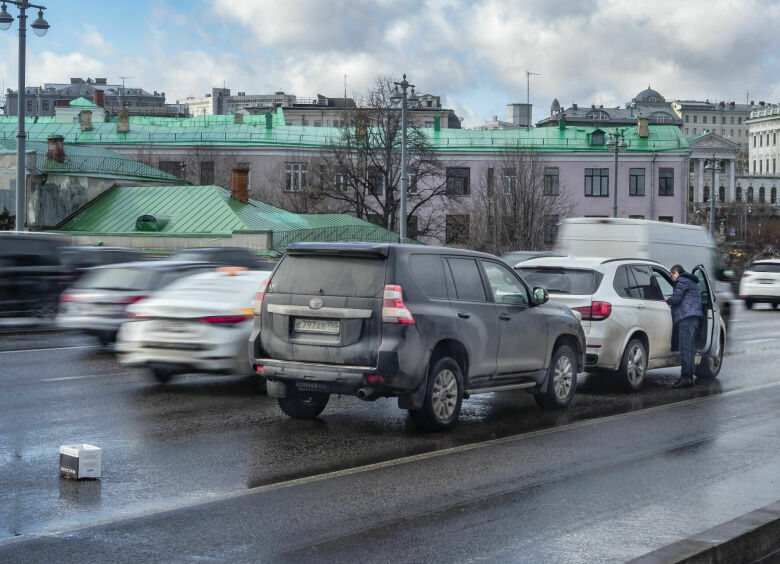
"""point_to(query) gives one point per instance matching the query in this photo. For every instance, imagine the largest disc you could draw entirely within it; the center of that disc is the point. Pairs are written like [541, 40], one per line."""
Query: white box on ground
[80, 461]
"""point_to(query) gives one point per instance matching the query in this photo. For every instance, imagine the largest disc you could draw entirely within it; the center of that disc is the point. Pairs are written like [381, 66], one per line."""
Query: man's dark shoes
[683, 383]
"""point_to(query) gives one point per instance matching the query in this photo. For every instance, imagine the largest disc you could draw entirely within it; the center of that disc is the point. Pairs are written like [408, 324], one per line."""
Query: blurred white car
[760, 283]
[199, 324]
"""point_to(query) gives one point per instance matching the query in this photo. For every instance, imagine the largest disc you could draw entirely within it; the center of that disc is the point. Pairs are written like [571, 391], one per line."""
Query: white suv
[760, 283]
[627, 323]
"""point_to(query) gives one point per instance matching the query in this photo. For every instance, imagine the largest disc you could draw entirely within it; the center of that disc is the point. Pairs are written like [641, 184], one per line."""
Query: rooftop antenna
[122, 100]
[528, 92]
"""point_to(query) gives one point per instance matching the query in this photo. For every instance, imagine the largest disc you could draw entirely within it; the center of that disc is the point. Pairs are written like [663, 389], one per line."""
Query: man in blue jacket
[685, 302]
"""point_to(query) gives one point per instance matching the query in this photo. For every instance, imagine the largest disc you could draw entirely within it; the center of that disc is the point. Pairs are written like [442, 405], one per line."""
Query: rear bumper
[90, 323]
[762, 298]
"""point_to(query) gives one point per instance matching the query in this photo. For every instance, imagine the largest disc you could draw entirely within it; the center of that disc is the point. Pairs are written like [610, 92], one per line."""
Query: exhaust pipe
[365, 393]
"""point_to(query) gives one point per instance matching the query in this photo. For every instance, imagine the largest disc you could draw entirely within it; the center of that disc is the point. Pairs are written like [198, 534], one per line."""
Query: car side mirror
[540, 296]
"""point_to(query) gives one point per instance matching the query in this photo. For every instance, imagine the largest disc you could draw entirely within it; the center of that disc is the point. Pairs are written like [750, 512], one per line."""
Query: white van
[667, 243]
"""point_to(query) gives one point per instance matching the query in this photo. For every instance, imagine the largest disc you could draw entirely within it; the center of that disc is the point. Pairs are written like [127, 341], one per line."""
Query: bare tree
[360, 171]
[518, 205]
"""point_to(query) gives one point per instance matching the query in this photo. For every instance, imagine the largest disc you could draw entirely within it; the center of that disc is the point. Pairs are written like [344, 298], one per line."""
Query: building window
[694, 131]
[774, 135]
[509, 183]
[317, 123]
[704, 119]
[636, 217]
[706, 194]
[457, 229]
[340, 182]
[754, 141]
[550, 228]
[666, 218]
[722, 194]
[739, 120]
[691, 166]
[206, 173]
[773, 195]
[551, 186]
[636, 182]
[172, 167]
[760, 167]
[739, 193]
[411, 181]
[376, 180]
[731, 134]
[690, 194]
[686, 131]
[597, 182]
[739, 133]
[428, 124]
[687, 119]
[695, 119]
[288, 122]
[732, 120]
[750, 194]
[45, 104]
[295, 177]
[761, 195]
[304, 122]
[458, 181]
[666, 182]
[723, 120]
[754, 166]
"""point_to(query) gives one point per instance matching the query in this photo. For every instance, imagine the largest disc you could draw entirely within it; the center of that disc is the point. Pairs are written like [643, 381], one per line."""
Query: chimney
[85, 119]
[56, 150]
[269, 121]
[99, 98]
[752, 102]
[723, 104]
[641, 127]
[574, 106]
[123, 121]
[239, 184]
[761, 103]
[238, 118]
[731, 104]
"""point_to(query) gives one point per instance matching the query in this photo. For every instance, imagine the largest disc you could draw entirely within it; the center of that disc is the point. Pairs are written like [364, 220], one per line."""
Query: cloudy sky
[473, 54]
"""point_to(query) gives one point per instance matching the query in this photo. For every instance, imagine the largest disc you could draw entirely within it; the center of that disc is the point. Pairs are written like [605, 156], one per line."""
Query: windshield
[122, 279]
[352, 277]
[557, 280]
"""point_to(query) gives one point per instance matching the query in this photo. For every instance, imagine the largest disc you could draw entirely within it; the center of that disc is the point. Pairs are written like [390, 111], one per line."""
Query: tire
[774, 305]
[561, 380]
[709, 367]
[162, 376]
[302, 405]
[633, 366]
[749, 304]
[443, 397]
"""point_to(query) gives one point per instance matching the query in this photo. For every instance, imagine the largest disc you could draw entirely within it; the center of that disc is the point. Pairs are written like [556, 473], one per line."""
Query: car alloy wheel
[445, 394]
[563, 377]
[635, 368]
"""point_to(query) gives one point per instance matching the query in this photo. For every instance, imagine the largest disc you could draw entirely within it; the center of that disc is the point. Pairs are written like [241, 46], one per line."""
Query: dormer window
[597, 137]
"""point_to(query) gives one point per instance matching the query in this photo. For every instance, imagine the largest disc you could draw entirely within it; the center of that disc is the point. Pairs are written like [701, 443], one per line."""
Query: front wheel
[749, 304]
[709, 367]
[303, 405]
[561, 380]
[443, 397]
[633, 366]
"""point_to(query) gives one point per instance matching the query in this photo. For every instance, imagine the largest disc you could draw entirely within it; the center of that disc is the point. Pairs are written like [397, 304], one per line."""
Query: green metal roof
[221, 130]
[80, 159]
[82, 103]
[210, 210]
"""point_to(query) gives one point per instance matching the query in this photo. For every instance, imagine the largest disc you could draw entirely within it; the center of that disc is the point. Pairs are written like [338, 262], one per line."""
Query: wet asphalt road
[606, 479]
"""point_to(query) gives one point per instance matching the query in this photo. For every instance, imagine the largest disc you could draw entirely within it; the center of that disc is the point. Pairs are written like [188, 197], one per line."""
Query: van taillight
[393, 308]
[596, 311]
[257, 303]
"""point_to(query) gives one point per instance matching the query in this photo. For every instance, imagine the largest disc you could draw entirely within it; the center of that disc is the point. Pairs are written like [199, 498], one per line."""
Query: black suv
[429, 325]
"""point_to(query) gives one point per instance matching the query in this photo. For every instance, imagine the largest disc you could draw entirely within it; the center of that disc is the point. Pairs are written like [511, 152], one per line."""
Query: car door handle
[504, 317]
[463, 315]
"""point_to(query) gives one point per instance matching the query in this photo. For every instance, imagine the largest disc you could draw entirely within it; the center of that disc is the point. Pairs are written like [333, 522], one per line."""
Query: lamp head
[6, 19]
[40, 26]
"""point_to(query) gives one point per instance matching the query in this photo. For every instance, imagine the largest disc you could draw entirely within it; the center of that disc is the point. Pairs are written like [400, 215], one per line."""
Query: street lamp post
[40, 26]
[616, 142]
[713, 165]
[402, 97]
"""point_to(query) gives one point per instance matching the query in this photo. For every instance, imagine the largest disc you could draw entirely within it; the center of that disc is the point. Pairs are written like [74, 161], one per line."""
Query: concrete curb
[745, 539]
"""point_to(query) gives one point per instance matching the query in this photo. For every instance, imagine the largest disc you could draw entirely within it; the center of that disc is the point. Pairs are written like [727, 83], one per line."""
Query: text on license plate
[317, 326]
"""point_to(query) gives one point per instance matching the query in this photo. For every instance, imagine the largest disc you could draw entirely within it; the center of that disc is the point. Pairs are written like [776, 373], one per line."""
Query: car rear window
[765, 267]
[352, 277]
[122, 279]
[556, 280]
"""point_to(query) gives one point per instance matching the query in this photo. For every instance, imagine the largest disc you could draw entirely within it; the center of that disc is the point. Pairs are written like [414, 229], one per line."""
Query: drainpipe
[652, 186]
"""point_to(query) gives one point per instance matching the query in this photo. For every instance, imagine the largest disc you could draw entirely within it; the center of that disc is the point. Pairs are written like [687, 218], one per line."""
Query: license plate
[172, 327]
[312, 387]
[317, 326]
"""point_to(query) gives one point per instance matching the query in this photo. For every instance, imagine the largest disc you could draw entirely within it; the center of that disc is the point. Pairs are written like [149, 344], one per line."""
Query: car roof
[766, 261]
[581, 262]
[158, 265]
[382, 249]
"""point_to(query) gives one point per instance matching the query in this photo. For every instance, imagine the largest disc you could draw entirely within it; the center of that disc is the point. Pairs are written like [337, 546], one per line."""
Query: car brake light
[226, 319]
[257, 303]
[393, 308]
[596, 311]
[746, 275]
[66, 297]
[127, 300]
[131, 315]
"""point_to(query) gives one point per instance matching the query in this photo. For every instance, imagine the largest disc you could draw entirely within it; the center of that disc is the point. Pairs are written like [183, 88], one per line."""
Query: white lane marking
[754, 341]
[52, 349]
[376, 466]
[72, 378]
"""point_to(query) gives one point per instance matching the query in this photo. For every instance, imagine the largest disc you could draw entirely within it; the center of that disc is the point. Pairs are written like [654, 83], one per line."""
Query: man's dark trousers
[688, 328]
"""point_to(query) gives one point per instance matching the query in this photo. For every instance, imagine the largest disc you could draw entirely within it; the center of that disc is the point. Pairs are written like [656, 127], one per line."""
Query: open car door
[706, 342]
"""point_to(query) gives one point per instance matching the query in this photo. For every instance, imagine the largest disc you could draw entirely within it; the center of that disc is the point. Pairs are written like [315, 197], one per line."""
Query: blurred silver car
[96, 302]
[627, 323]
[199, 324]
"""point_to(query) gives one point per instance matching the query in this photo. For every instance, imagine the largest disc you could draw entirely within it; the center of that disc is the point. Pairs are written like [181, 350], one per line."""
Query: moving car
[96, 302]
[514, 257]
[76, 260]
[663, 242]
[626, 320]
[227, 256]
[31, 275]
[199, 324]
[428, 325]
[760, 283]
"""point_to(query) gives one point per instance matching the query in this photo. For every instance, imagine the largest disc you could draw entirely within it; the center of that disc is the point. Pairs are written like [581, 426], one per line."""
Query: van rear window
[351, 277]
[575, 281]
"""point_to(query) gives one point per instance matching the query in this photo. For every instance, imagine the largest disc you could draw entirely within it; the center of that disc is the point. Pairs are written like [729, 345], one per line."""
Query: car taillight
[746, 275]
[127, 300]
[226, 319]
[596, 311]
[131, 315]
[393, 308]
[257, 303]
[66, 297]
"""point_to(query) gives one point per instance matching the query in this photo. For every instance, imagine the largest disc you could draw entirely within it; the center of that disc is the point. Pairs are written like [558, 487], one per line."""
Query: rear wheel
[749, 304]
[162, 376]
[633, 366]
[774, 305]
[443, 397]
[303, 405]
[709, 367]
[561, 380]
